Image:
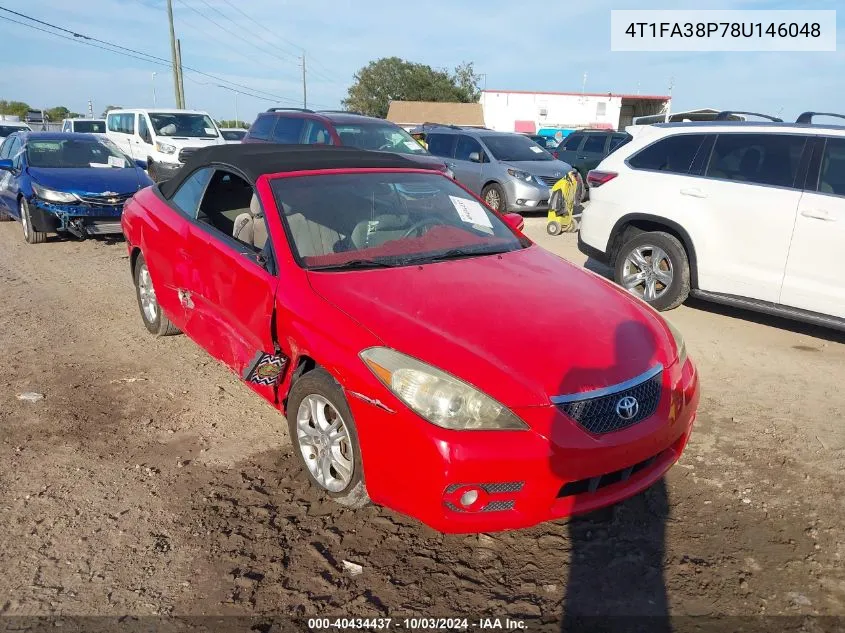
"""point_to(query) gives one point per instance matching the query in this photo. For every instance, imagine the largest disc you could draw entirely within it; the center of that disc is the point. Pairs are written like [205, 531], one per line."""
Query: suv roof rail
[340, 112]
[293, 109]
[449, 125]
[807, 117]
[725, 115]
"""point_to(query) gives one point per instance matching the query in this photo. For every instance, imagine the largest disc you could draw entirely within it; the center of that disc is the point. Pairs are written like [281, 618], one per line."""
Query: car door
[143, 140]
[591, 153]
[230, 293]
[115, 130]
[10, 180]
[166, 246]
[744, 212]
[567, 151]
[6, 176]
[467, 164]
[813, 279]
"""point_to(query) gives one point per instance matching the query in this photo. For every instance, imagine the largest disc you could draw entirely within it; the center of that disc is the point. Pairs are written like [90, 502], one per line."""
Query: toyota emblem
[627, 407]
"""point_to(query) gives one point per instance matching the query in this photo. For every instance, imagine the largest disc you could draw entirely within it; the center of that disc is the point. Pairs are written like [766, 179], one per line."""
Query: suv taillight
[598, 178]
[555, 154]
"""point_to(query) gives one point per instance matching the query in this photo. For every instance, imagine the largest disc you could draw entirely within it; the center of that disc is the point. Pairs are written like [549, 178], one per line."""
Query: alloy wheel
[647, 272]
[324, 442]
[493, 199]
[147, 294]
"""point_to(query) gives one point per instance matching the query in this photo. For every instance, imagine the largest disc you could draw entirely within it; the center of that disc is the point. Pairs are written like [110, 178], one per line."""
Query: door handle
[694, 192]
[818, 214]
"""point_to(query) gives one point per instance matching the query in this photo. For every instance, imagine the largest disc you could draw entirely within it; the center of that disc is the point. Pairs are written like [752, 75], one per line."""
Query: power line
[294, 44]
[129, 52]
[234, 34]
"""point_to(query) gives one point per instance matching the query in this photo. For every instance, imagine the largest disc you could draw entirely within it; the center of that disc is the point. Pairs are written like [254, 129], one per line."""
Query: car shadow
[616, 577]
[781, 323]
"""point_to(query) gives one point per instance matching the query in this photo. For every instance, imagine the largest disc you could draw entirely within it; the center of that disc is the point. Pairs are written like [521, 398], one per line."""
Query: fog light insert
[469, 497]
[520, 201]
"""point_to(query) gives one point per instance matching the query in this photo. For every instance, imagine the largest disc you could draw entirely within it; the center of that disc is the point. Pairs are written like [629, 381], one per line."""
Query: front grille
[106, 201]
[583, 486]
[549, 180]
[186, 153]
[599, 414]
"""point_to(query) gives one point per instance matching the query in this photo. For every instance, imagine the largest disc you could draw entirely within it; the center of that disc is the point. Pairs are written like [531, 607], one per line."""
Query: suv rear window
[765, 159]
[262, 127]
[595, 144]
[673, 154]
[288, 130]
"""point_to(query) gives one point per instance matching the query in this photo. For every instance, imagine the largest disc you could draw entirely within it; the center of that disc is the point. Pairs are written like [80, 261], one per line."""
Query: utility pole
[304, 87]
[669, 103]
[181, 77]
[90, 109]
[237, 119]
[173, 55]
[155, 105]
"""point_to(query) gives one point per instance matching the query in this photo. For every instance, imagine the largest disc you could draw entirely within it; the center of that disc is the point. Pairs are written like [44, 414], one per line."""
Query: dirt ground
[149, 481]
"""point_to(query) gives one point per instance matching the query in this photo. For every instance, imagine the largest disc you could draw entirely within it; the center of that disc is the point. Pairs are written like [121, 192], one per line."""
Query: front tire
[494, 196]
[152, 172]
[654, 267]
[30, 235]
[155, 320]
[554, 228]
[325, 438]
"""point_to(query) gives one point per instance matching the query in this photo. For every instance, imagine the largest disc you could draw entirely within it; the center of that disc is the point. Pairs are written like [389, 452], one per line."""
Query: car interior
[231, 206]
[832, 176]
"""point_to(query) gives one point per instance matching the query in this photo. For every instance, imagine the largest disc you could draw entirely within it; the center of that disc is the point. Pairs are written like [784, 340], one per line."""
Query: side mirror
[6, 165]
[475, 157]
[514, 220]
[140, 163]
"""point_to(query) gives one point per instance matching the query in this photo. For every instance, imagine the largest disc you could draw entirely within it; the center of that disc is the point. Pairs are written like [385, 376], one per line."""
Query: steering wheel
[416, 226]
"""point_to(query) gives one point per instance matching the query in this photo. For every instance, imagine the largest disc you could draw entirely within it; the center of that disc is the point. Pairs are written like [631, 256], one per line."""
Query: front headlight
[521, 175]
[165, 148]
[679, 342]
[53, 196]
[437, 396]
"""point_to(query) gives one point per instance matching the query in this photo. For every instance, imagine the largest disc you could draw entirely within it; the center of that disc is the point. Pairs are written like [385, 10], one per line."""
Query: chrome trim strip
[607, 391]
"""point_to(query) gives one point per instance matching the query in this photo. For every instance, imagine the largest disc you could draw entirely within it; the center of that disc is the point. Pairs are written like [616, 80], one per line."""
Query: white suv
[743, 213]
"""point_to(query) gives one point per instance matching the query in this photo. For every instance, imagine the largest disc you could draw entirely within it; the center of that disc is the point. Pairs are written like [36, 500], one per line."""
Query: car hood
[541, 167]
[183, 142]
[521, 327]
[91, 180]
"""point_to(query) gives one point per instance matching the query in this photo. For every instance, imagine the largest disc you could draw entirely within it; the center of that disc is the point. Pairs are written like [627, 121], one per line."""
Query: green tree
[15, 108]
[394, 79]
[58, 113]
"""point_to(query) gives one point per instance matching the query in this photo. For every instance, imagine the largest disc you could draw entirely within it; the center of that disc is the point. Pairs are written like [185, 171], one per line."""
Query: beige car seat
[250, 227]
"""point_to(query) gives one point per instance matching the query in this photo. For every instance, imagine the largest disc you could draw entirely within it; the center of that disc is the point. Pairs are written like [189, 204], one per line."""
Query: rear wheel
[155, 320]
[494, 196]
[323, 432]
[30, 234]
[554, 227]
[654, 267]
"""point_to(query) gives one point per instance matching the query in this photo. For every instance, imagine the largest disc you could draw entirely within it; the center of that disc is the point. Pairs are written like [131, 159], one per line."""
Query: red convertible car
[427, 355]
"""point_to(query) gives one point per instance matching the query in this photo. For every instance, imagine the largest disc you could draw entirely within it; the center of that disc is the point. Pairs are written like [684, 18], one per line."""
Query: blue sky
[542, 45]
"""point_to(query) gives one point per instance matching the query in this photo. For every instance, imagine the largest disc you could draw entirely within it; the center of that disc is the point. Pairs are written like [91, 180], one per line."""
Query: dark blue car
[65, 183]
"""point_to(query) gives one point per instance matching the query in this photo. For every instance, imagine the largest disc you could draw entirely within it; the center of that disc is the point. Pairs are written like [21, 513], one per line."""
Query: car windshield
[89, 127]
[514, 147]
[183, 124]
[75, 153]
[5, 130]
[379, 136]
[232, 135]
[368, 220]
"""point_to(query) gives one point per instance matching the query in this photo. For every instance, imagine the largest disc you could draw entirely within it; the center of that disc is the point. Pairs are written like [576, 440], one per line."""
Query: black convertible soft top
[256, 159]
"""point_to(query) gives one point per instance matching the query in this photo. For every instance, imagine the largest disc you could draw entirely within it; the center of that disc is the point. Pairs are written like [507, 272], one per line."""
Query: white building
[558, 113]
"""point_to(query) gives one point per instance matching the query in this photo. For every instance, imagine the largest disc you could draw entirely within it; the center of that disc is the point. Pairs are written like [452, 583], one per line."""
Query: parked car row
[750, 214]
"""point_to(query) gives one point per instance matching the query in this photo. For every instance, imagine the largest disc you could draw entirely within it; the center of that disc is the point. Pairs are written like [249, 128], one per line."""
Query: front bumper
[80, 219]
[166, 171]
[555, 470]
[526, 196]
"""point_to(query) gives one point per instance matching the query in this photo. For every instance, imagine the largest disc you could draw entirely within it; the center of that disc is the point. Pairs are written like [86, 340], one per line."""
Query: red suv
[292, 126]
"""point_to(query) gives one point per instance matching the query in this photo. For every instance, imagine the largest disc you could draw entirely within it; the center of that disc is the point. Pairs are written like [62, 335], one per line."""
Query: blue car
[66, 183]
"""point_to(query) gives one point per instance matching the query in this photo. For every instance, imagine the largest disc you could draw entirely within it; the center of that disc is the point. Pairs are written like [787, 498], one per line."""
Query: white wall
[503, 109]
